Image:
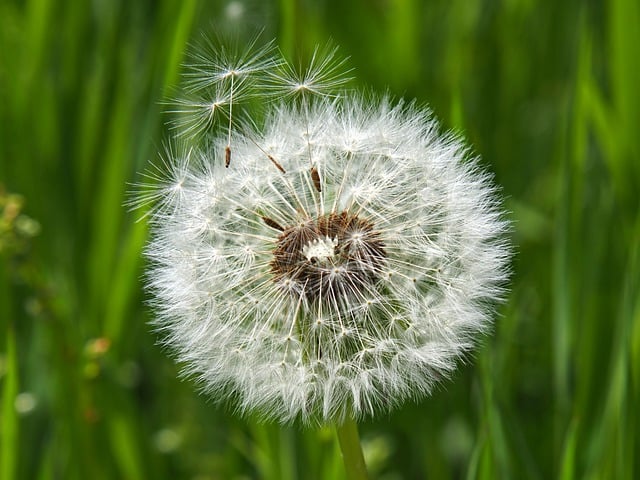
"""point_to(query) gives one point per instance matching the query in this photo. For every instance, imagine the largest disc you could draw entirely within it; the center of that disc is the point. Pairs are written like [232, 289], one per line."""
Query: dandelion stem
[351, 450]
[305, 105]
[230, 111]
[227, 150]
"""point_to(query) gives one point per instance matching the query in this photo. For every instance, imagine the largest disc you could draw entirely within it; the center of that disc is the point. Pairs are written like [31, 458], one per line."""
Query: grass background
[547, 92]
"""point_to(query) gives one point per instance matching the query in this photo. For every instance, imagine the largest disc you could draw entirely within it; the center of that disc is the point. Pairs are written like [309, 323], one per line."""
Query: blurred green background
[547, 92]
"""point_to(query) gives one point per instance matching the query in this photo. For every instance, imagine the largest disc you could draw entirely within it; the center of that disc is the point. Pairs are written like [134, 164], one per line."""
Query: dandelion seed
[324, 76]
[348, 279]
[232, 74]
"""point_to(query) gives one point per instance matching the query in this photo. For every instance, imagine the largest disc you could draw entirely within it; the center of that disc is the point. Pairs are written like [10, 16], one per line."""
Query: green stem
[351, 450]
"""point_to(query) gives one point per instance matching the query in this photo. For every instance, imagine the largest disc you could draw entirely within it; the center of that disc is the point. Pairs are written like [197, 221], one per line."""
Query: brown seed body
[315, 176]
[273, 224]
[227, 156]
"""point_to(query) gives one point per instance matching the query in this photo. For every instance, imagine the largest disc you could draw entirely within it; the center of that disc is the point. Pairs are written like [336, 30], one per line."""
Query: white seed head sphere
[343, 262]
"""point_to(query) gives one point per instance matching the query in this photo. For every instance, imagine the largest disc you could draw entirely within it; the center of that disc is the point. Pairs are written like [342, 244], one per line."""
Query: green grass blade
[9, 440]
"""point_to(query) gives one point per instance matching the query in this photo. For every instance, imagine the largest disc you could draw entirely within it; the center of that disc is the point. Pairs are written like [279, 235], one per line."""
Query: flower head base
[331, 261]
[340, 265]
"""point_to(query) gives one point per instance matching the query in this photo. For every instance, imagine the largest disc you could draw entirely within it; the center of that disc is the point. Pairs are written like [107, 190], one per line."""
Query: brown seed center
[335, 257]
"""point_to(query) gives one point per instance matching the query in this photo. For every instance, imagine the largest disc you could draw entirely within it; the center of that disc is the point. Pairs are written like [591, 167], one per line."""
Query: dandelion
[341, 265]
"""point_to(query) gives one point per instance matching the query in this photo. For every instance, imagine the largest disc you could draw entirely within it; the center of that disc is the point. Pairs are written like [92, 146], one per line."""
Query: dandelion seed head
[342, 264]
